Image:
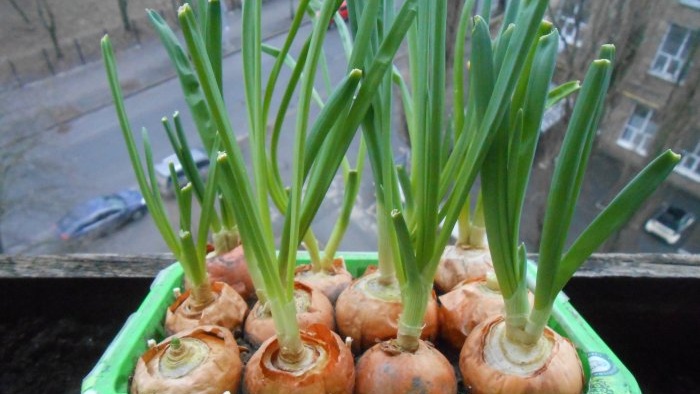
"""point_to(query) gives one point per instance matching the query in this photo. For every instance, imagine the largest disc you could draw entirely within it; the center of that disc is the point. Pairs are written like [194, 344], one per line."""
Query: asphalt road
[87, 157]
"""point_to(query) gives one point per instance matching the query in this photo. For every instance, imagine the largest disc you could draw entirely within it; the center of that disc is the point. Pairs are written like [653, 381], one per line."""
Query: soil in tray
[50, 356]
[53, 331]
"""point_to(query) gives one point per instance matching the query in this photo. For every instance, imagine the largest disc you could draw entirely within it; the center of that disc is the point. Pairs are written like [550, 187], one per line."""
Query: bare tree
[123, 11]
[48, 21]
[584, 26]
[20, 11]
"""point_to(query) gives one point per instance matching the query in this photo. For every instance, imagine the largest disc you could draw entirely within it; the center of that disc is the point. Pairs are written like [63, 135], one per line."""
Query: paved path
[51, 102]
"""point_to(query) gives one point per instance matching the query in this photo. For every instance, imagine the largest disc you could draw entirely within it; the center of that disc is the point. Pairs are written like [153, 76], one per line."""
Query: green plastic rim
[604, 371]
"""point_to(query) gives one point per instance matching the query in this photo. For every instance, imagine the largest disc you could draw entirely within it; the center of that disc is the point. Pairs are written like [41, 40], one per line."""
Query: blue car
[102, 215]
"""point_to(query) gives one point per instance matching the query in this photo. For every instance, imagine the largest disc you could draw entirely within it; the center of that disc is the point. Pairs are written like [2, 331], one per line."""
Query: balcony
[61, 312]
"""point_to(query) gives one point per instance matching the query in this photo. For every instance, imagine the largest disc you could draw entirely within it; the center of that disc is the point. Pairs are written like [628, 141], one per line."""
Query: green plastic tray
[605, 372]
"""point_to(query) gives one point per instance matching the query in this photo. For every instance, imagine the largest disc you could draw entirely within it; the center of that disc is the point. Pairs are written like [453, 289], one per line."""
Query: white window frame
[691, 3]
[690, 164]
[568, 23]
[671, 57]
[638, 133]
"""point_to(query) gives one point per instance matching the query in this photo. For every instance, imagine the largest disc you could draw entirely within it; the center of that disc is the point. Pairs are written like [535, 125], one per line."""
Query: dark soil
[652, 325]
[51, 357]
[53, 331]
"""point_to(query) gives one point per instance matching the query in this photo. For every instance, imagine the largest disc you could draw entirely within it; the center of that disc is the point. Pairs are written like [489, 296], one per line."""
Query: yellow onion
[232, 269]
[331, 283]
[327, 368]
[386, 369]
[368, 312]
[463, 308]
[312, 307]
[468, 304]
[458, 263]
[226, 309]
[490, 363]
[203, 360]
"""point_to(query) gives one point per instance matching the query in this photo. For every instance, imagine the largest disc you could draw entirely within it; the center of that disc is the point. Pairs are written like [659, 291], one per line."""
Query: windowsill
[692, 175]
[666, 77]
[627, 146]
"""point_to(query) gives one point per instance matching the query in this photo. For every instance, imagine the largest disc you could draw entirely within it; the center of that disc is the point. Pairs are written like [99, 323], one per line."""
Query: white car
[162, 170]
[669, 224]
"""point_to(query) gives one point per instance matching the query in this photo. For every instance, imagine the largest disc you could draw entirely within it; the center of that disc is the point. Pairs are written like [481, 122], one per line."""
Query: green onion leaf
[615, 215]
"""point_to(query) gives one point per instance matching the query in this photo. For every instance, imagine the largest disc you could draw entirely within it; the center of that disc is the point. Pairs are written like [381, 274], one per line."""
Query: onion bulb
[331, 282]
[312, 308]
[202, 360]
[458, 264]
[467, 305]
[232, 269]
[369, 312]
[327, 366]
[386, 369]
[226, 309]
[491, 363]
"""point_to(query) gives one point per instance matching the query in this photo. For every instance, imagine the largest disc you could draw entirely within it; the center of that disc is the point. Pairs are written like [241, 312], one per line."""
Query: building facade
[655, 105]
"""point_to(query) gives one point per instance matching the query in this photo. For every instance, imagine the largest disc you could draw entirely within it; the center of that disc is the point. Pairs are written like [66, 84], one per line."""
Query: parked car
[162, 169]
[343, 12]
[101, 215]
[670, 223]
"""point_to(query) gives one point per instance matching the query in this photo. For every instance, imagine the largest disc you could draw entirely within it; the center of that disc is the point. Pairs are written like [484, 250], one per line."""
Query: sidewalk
[51, 102]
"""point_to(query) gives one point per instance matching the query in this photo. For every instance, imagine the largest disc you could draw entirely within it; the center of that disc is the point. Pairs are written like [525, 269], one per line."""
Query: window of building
[691, 3]
[572, 18]
[570, 31]
[672, 53]
[639, 131]
[690, 164]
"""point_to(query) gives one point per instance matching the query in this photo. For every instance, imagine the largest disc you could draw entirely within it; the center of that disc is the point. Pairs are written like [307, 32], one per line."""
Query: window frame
[629, 144]
[694, 172]
[575, 21]
[682, 48]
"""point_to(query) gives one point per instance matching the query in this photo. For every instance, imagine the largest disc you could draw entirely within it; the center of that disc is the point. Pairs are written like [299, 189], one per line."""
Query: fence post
[48, 61]
[77, 49]
[14, 73]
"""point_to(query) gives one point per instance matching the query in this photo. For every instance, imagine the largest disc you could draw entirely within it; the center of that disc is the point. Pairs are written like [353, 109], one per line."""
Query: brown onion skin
[458, 264]
[331, 283]
[228, 310]
[335, 376]
[383, 369]
[464, 307]
[220, 372]
[232, 269]
[258, 327]
[369, 320]
[561, 374]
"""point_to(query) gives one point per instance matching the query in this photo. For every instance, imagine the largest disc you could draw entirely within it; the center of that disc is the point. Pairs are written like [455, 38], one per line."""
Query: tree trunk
[49, 22]
[26, 20]
[123, 11]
